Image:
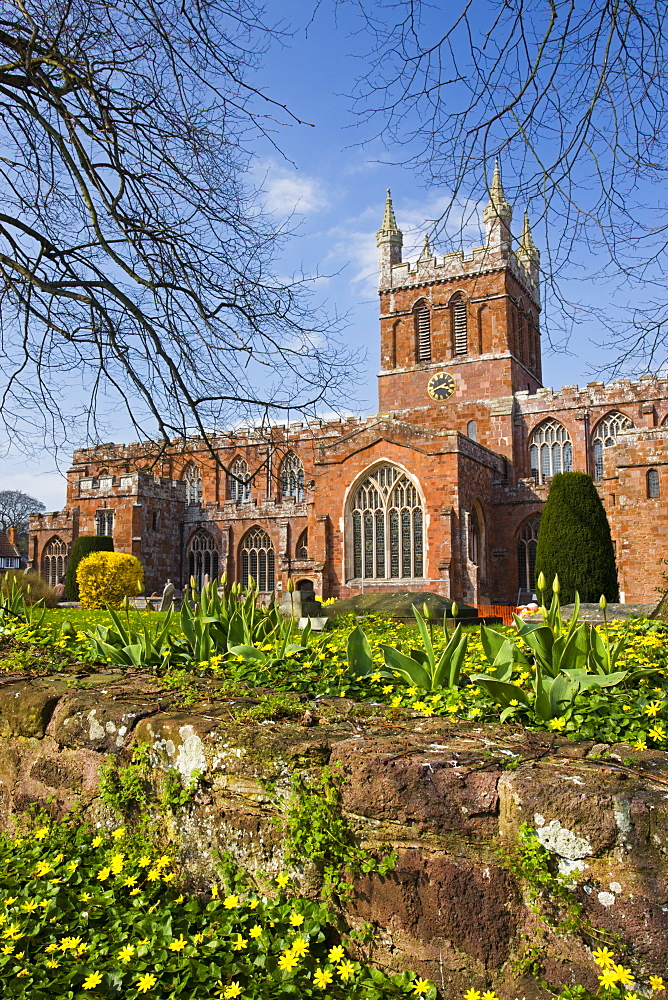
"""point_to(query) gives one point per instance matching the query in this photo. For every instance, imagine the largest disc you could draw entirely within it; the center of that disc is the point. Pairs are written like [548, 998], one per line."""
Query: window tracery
[257, 559]
[54, 561]
[192, 476]
[202, 557]
[386, 526]
[550, 450]
[239, 481]
[605, 436]
[292, 477]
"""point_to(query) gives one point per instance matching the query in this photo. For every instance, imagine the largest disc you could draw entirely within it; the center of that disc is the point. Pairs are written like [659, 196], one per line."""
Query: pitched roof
[7, 549]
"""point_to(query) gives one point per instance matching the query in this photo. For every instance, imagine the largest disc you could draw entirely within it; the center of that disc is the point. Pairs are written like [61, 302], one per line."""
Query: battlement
[646, 390]
[139, 484]
[451, 266]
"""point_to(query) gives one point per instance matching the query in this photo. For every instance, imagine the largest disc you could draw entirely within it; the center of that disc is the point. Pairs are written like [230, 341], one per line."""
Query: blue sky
[331, 181]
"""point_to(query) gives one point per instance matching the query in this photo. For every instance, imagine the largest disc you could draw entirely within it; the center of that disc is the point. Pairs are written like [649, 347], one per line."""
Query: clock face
[441, 386]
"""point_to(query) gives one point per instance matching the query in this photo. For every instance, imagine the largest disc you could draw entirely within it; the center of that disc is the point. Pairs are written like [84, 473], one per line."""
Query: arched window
[423, 332]
[459, 327]
[202, 557]
[192, 476]
[239, 481]
[257, 559]
[292, 477]
[474, 537]
[472, 430]
[605, 436]
[301, 549]
[386, 526]
[527, 540]
[54, 561]
[550, 450]
[653, 484]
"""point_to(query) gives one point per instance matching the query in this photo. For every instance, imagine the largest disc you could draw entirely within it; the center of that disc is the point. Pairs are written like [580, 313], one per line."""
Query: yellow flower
[322, 978]
[41, 833]
[624, 976]
[126, 953]
[52, 964]
[653, 708]
[240, 943]
[117, 834]
[103, 874]
[179, 944]
[640, 745]
[346, 970]
[214, 891]
[179, 899]
[163, 861]
[70, 943]
[232, 991]
[287, 961]
[555, 724]
[92, 981]
[296, 919]
[336, 954]
[471, 995]
[282, 880]
[489, 995]
[253, 904]
[656, 982]
[51, 947]
[8, 949]
[657, 733]
[131, 881]
[117, 863]
[96, 841]
[146, 982]
[144, 861]
[603, 957]
[153, 875]
[299, 947]
[608, 978]
[29, 906]
[255, 932]
[231, 902]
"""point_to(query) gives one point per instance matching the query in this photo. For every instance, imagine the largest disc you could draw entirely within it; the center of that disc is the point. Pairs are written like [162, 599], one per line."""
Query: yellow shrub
[105, 578]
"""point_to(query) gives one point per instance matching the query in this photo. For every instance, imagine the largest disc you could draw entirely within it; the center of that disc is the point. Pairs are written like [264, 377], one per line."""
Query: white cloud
[287, 192]
[354, 239]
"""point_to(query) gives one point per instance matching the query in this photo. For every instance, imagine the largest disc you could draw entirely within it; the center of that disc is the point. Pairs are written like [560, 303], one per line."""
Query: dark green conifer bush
[574, 541]
[83, 546]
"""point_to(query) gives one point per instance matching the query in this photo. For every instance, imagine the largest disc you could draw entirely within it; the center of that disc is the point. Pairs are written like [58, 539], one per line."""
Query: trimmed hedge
[574, 541]
[83, 546]
[105, 578]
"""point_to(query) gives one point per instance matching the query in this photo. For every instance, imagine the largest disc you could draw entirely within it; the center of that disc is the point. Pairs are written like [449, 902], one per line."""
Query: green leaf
[360, 657]
[501, 691]
[410, 669]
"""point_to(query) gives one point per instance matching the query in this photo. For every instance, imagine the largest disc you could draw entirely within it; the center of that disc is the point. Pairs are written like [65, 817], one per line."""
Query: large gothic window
[459, 326]
[54, 561]
[422, 332]
[527, 540]
[386, 527]
[605, 436]
[192, 476]
[257, 559]
[550, 450]
[292, 478]
[239, 481]
[202, 557]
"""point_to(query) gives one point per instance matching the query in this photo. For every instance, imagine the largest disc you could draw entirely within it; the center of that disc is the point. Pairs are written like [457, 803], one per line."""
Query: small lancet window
[423, 333]
[472, 430]
[459, 327]
[653, 484]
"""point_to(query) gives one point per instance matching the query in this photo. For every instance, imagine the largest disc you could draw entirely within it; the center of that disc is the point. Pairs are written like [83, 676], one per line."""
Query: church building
[441, 490]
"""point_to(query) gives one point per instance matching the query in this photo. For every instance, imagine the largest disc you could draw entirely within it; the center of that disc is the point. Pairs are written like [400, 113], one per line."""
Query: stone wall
[448, 798]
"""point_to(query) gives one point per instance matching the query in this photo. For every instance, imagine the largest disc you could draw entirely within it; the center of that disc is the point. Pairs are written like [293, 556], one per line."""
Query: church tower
[460, 332]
